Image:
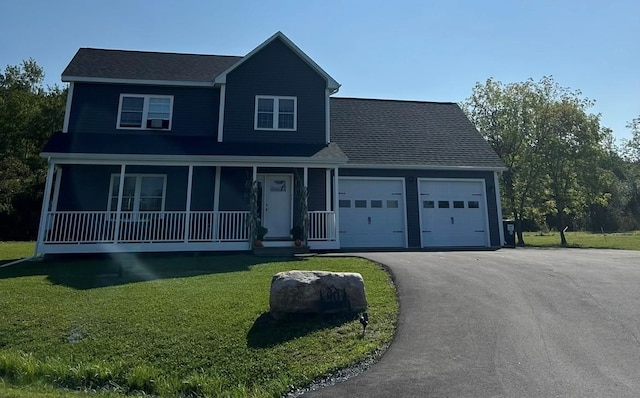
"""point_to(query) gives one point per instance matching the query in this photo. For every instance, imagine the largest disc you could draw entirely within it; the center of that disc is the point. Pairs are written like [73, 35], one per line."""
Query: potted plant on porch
[259, 233]
[298, 235]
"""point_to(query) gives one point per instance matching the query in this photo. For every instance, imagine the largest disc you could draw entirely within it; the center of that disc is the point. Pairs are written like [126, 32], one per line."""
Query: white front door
[277, 198]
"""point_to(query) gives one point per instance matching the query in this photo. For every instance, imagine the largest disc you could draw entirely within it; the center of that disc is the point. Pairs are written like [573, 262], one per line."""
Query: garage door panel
[453, 213]
[372, 213]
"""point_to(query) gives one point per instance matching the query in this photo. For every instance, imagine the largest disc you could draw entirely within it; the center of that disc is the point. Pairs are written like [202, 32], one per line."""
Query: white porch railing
[92, 227]
[145, 227]
[322, 225]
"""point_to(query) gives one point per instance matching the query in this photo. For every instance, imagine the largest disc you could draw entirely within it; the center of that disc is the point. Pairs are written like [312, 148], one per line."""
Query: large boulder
[296, 292]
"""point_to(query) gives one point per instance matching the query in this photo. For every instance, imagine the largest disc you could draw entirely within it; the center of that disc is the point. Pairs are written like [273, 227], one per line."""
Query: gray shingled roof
[142, 65]
[390, 132]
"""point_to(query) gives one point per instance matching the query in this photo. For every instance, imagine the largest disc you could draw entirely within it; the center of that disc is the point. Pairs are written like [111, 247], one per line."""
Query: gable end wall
[278, 71]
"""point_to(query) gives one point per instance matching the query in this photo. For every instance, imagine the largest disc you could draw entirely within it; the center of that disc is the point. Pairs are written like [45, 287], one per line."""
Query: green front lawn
[11, 251]
[175, 324]
[621, 240]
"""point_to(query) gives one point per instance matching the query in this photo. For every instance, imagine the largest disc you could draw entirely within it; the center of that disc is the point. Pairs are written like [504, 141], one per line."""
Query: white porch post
[216, 203]
[327, 185]
[187, 221]
[45, 207]
[253, 184]
[216, 190]
[56, 188]
[335, 205]
[305, 217]
[496, 182]
[116, 232]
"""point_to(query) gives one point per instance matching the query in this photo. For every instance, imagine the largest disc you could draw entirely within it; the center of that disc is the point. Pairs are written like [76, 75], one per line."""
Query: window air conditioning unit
[155, 123]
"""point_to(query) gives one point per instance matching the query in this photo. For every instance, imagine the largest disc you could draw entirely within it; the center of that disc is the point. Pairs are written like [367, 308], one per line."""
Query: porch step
[283, 251]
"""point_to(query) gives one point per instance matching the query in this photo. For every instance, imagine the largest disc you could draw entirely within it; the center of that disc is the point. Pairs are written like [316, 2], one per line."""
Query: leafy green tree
[29, 113]
[506, 116]
[551, 145]
[631, 154]
[632, 146]
[573, 146]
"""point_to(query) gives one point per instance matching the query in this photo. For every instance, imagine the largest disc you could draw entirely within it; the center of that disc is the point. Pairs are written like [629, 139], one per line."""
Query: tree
[631, 154]
[551, 145]
[506, 116]
[29, 113]
[573, 147]
[632, 146]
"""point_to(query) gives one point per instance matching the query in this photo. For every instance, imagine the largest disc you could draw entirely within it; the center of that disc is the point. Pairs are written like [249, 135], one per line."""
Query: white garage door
[453, 213]
[371, 212]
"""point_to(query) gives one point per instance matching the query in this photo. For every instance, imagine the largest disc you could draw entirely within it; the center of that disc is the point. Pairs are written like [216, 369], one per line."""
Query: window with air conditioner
[145, 112]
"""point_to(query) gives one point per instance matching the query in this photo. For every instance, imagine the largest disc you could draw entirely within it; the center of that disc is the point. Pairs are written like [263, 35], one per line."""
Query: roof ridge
[158, 52]
[397, 100]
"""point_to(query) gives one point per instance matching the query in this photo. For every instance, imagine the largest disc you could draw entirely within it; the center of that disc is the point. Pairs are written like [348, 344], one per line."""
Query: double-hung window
[276, 113]
[141, 111]
[141, 192]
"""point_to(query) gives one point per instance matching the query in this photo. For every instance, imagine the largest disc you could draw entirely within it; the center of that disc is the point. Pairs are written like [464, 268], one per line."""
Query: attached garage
[372, 212]
[453, 213]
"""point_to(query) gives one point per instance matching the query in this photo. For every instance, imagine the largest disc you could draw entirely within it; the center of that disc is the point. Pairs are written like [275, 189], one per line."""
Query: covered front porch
[145, 205]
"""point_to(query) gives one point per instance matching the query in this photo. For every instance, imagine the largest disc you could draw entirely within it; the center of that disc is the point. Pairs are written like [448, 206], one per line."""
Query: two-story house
[180, 152]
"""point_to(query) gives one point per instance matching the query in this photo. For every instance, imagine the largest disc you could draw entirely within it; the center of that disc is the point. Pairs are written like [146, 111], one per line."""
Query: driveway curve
[509, 323]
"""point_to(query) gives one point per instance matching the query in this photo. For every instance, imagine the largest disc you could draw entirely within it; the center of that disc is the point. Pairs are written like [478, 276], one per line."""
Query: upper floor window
[276, 113]
[139, 111]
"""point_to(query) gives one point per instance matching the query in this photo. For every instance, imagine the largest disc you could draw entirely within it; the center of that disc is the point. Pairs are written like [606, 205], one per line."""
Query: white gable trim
[331, 83]
[67, 111]
[327, 116]
[223, 99]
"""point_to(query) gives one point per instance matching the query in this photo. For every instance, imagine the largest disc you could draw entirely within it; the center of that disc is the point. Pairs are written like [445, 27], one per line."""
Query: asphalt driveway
[510, 323]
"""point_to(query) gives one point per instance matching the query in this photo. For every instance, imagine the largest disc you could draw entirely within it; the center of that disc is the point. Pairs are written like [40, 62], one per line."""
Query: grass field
[627, 240]
[10, 251]
[174, 324]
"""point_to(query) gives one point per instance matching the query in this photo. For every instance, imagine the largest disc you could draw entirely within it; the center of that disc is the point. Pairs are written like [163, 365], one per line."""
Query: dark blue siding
[86, 187]
[203, 188]
[317, 190]
[95, 108]
[411, 187]
[413, 215]
[233, 183]
[275, 70]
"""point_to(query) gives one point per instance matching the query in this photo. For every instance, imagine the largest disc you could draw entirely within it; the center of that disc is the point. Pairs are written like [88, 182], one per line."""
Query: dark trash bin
[509, 228]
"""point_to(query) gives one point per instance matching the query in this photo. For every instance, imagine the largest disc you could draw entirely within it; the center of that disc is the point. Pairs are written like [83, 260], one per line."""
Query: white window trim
[145, 111]
[276, 111]
[136, 195]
